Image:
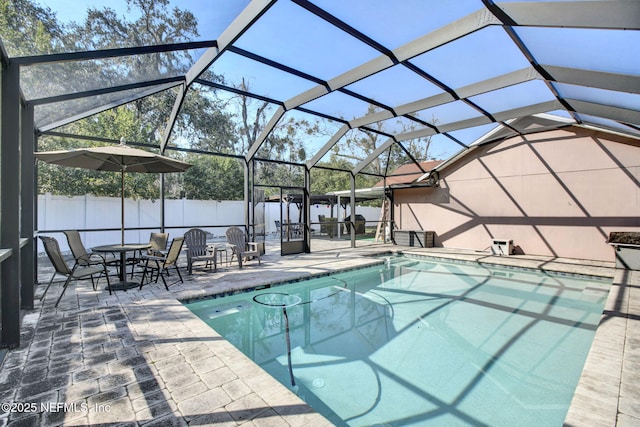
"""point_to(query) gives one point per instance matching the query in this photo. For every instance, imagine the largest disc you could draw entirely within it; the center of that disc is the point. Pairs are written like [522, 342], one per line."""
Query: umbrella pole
[122, 207]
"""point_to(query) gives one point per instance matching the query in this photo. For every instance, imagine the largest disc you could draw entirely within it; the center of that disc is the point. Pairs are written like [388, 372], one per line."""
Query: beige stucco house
[555, 191]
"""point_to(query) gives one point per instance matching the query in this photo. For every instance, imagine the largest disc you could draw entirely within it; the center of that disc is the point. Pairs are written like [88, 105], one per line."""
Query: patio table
[219, 248]
[123, 284]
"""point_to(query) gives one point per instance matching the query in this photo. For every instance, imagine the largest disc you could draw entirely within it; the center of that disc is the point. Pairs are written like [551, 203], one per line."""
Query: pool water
[417, 342]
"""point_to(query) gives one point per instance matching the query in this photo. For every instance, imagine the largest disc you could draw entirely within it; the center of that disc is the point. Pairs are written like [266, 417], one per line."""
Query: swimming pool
[419, 342]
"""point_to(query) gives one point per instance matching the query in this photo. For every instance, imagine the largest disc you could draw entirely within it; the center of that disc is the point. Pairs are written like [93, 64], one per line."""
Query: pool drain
[318, 383]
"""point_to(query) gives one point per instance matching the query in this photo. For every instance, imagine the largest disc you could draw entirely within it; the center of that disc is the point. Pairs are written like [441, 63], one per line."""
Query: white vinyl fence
[91, 212]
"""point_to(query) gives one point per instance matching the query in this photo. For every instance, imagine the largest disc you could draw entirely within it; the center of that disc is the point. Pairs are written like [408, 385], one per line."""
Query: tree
[29, 29]
[215, 178]
[361, 144]
[205, 122]
[419, 148]
[326, 180]
[284, 143]
[252, 122]
[156, 25]
[202, 119]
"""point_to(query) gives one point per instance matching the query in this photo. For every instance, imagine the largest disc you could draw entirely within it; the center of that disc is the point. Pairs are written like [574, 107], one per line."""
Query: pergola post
[10, 206]
[352, 203]
[307, 210]
[28, 200]
[162, 203]
[248, 197]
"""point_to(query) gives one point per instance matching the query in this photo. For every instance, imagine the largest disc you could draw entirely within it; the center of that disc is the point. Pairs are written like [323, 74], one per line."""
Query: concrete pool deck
[142, 358]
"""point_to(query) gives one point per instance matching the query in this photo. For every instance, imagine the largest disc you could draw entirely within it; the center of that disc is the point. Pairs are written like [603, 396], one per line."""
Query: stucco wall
[555, 193]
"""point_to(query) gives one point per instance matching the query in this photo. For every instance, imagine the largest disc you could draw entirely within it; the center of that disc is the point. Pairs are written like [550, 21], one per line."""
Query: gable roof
[408, 173]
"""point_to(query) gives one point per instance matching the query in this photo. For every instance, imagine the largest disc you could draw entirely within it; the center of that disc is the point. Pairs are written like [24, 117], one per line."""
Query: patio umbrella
[117, 158]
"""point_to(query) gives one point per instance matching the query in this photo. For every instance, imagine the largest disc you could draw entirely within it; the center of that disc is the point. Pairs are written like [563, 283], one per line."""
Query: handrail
[90, 230]
[7, 253]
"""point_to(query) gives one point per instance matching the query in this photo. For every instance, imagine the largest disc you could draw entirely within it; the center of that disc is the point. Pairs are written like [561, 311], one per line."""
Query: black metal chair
[82, 256]
[158, 248]
[161, 264]
[79, 271]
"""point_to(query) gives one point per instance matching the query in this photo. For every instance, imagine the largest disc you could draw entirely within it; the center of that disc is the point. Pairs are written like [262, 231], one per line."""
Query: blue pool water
[415, 342]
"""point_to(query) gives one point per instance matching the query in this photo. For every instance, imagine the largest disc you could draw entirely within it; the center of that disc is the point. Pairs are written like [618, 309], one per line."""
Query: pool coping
[275, 283]
[607, 393]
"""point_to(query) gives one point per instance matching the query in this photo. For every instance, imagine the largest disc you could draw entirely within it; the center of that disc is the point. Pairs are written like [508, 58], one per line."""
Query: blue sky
[217, 15]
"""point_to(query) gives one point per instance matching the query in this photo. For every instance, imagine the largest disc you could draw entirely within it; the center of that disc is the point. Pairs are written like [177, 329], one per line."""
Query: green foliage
[122, 122]
[157, 25]
[359, 144]
[204, 121]
[28, 29]
[284, 143]
[325, 180]
[217, 178]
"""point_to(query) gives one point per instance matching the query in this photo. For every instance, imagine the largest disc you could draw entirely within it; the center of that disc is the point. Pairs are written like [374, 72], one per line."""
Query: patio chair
[79, 271]
[323, 227]
[158, 242]
[161, 264]
[198, 250]
[80, 254]
[242, 249]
